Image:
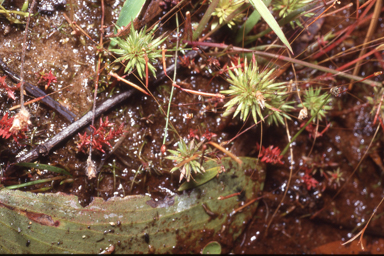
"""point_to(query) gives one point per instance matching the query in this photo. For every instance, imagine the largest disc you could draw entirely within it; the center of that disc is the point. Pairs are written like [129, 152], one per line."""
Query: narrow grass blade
[45, 167]
[31, 183]
[282, 22]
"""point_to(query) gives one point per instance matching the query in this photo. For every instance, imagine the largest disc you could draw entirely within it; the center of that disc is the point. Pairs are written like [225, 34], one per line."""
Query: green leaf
[24, 8]
[45, 167]
[131, 9]
[267, 16]
[212, 248]
[140, 223]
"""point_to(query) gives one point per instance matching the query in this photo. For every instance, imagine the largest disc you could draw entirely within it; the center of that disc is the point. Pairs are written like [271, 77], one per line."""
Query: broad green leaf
[45, 167]
[267, 16]
[129, 12]
[131, 9]
[133, 224]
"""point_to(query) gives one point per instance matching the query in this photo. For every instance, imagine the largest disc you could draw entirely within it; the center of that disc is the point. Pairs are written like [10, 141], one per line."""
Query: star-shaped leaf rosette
[255, 93]
[187, 158]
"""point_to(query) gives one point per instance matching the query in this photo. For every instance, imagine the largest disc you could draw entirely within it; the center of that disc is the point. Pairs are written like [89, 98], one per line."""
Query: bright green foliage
[313, 101]
[285, 7]
[187, 159]
[136, 48]
[256, 93]
[375, 102]
[226, 8]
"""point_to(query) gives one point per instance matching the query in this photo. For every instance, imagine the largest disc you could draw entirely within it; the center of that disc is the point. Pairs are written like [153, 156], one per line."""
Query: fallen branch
[45, 148]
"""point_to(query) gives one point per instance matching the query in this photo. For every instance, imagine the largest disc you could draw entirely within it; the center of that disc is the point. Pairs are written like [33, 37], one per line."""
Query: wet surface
[137, 167]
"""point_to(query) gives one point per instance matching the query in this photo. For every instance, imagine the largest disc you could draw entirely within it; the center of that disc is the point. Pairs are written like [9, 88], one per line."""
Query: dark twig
[36, 92]
[45, 148]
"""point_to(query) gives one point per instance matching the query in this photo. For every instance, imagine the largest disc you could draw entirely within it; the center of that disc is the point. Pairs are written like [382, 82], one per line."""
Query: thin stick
[39, 98]
[174, 79]
[23, 55]
[203, 94]
[91, 169]
[338, 10]
[342, 38]
[128, 82]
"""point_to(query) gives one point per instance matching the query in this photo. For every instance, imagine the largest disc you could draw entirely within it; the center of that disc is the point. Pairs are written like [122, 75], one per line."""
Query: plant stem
[205, 19]
[371, 30]
[174, 79]
[288, 59]
[23, 56]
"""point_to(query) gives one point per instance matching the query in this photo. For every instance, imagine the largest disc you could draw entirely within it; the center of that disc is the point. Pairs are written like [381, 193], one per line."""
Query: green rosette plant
[138, 50]
[313, 102]
[256, 93]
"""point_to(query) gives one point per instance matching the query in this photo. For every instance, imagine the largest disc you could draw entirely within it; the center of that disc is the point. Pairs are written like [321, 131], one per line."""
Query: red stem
[341, 39]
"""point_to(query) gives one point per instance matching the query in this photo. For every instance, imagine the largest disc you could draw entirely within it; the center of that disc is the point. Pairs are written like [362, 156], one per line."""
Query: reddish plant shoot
[5, 125]
[193, 134]
[8, 89]
[270, 154]
[49, 78]
[208, 135]
[309, 181]
[101, 136]
[312, 130]
[6, 131]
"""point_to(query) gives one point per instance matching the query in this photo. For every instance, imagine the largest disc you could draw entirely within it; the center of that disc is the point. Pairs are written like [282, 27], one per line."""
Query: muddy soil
[309, 221]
